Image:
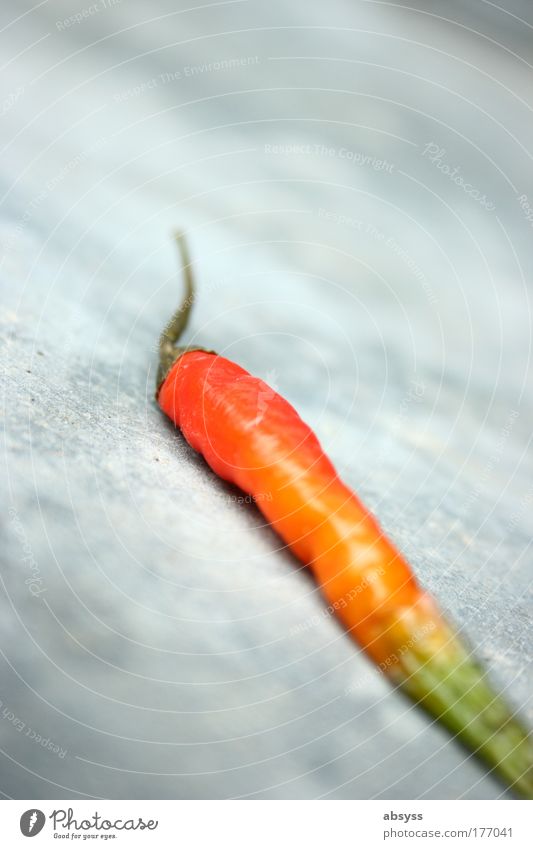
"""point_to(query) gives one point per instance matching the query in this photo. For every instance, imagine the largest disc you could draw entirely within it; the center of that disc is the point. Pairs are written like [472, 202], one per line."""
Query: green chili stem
[456, 691]
[169, 352]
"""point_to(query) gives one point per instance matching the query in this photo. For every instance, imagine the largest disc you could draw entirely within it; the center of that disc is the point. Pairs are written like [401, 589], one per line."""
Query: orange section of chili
[253, 438]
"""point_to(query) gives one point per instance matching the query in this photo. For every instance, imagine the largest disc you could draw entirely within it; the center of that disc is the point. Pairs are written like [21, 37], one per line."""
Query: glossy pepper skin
[251, 436]
[269, 452]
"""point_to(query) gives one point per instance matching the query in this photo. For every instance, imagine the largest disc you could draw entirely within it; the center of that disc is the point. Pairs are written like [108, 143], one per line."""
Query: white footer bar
[268, 824]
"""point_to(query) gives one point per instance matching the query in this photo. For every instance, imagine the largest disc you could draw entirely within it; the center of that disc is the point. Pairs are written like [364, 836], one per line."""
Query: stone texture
[152, 629]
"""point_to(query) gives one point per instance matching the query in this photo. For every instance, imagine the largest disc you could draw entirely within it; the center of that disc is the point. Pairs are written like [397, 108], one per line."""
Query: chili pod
[251, 436]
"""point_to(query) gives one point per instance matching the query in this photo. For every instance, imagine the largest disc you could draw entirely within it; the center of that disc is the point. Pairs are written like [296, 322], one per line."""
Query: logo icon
[266, 392]
[32, 822]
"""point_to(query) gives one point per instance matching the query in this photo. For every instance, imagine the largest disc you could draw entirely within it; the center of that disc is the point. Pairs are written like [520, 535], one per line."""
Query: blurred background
[355, 182]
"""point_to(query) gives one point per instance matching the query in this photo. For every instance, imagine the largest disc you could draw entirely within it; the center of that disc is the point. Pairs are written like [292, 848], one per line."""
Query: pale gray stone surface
[172, 648]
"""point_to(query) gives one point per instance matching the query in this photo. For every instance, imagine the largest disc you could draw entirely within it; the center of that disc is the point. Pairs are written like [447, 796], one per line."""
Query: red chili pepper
[251, 436]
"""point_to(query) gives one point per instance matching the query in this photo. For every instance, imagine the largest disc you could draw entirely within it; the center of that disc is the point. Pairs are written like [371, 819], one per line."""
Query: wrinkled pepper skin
[251, 436]
[255, 439]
